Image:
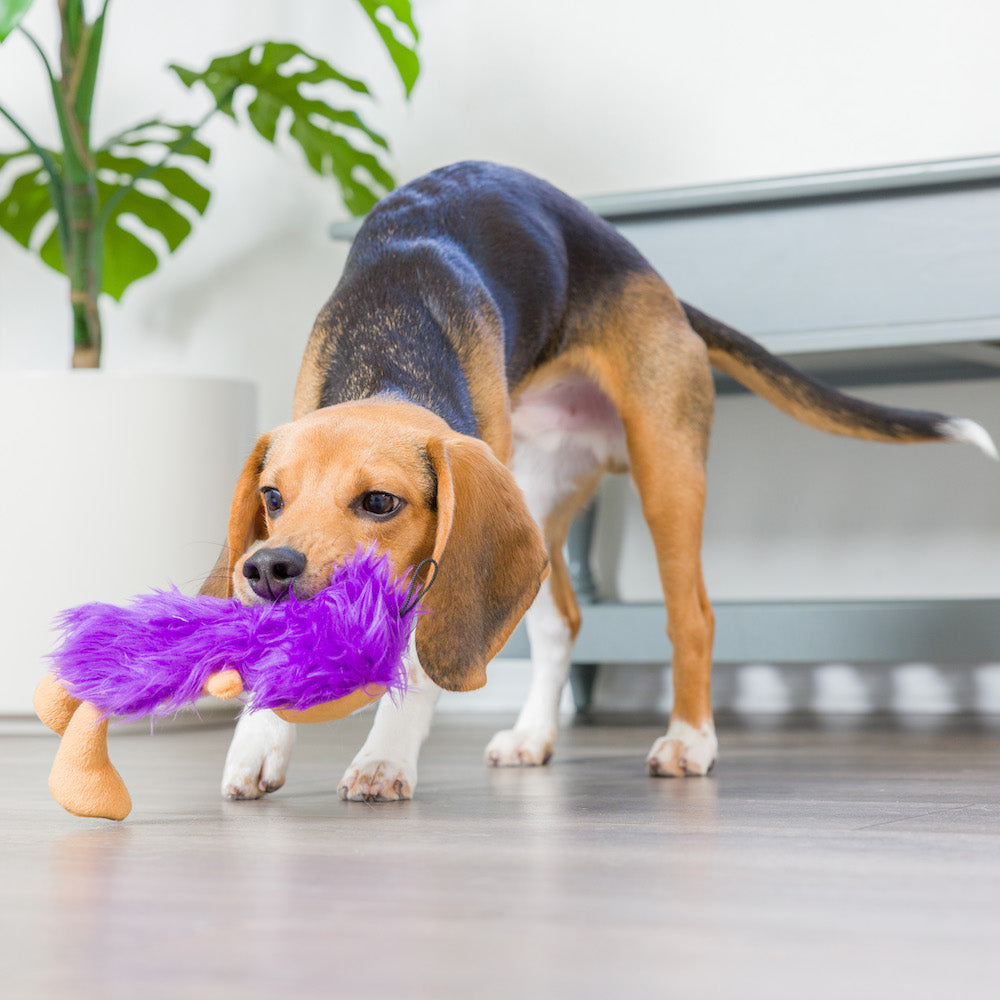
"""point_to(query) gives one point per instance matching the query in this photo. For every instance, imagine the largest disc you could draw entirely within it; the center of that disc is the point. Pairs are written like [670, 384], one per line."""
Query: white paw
[683, 751]
[371, 779]
[520, 748]
[257, 761]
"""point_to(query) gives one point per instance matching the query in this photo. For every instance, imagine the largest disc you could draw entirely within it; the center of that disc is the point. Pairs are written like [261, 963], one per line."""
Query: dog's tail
[822, 406]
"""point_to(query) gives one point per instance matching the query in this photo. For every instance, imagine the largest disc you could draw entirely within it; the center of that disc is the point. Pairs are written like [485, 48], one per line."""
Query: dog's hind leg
[673, 496]
[666, 402]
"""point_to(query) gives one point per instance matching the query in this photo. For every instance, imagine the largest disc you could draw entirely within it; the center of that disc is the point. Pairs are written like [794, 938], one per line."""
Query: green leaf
[158, 198]
[6, 158]
[264, 112]
[161, 136]
[332, 155]
[175, 181]
[154, 213]
[27, 211]
[11, 12]
[26, 203]
[285, 82]
[126, 259]
[260, 67]
[93, 35]
[75, 21]
[403, 55]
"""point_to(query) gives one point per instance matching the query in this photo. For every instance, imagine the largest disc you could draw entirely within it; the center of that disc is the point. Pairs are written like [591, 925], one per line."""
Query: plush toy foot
[83, 779]
[53, 704]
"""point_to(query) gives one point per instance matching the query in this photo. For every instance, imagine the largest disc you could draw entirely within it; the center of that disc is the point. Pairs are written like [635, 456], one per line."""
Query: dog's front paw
[257, 761]
[370, 779]
[255, 778]
[520, 748]
[683, 751]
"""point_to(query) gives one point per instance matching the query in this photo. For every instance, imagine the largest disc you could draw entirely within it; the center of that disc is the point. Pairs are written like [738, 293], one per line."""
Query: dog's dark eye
[273, 500]
[380, 504]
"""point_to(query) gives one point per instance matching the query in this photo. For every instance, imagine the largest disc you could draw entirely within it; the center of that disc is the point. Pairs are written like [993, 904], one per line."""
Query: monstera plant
[102, 211]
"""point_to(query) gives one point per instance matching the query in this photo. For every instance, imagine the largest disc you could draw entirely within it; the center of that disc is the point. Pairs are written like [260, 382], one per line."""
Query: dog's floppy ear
[246, 520]
[491, 561]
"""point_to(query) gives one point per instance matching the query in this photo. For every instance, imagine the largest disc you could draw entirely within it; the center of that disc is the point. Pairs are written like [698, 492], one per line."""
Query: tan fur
[483, 363]
[666, 404]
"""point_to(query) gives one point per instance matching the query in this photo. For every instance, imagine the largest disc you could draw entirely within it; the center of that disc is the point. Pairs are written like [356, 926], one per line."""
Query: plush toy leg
[54, 705]
[83, 779]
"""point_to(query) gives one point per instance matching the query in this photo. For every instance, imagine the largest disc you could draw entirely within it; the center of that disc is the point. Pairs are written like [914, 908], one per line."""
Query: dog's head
[396, 477]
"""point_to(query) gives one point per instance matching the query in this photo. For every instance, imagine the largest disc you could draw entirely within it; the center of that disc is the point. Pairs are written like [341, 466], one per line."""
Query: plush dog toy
[309, 661]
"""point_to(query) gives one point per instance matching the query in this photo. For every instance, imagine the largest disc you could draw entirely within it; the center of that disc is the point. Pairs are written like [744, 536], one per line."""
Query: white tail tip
[969, 432]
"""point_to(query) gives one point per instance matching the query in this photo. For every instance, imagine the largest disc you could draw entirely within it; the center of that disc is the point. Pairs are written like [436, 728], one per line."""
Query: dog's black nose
[271, 572]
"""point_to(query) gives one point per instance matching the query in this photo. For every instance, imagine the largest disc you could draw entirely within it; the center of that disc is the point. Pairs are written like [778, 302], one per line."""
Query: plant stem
[83, 261]
[52, 168]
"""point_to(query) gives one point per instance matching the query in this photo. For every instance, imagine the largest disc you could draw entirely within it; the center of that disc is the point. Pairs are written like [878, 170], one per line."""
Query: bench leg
[582, 678]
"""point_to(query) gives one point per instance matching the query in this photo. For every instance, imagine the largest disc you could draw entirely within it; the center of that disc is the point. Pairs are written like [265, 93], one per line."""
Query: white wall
[598, 97]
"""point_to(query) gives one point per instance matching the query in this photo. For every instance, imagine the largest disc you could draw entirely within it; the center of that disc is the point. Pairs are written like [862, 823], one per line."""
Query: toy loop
[413, 595]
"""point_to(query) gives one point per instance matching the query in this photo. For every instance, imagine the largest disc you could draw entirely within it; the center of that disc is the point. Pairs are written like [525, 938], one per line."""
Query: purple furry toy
[309, 661]
[162, 651]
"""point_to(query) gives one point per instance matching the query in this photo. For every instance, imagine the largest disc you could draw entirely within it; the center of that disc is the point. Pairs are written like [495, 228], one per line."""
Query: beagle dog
[491, 351]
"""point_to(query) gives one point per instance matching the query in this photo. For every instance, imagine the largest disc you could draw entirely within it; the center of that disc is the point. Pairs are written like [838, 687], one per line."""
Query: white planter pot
[113, 484]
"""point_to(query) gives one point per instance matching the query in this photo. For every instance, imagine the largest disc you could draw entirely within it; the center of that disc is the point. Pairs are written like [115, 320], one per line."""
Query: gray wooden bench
[875, 276]
[872, 277]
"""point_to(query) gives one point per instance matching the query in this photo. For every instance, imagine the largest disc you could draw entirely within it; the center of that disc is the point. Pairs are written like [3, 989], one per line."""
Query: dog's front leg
[257, 760]
[385, 769]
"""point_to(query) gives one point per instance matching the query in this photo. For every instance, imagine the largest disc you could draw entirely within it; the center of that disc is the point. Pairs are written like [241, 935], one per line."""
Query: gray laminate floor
[855, 859]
